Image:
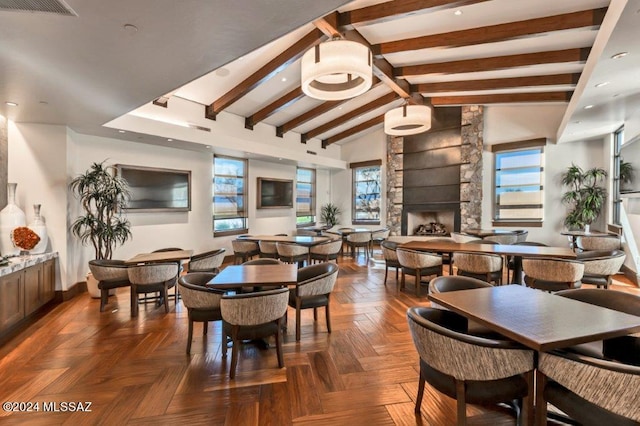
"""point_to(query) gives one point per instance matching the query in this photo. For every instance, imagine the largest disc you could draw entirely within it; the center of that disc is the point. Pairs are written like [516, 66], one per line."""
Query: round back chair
[601, 265]
[292, 253]
[419, 264]
[502, 238]
[487, 267]
[552, 274]
[326, 251]
[110, 274]
[244, 250]
[268, 249]
[599, 243]
[207, 262]
[356, 240]
[151, 278]
[390, 258]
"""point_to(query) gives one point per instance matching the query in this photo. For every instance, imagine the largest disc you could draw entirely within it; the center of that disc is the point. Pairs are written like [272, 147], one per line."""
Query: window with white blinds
[305, 197]
[229, 196]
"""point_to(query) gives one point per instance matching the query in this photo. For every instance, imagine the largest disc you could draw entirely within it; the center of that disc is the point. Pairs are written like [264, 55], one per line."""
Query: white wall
[509, 124]
[372, 146]
[38, 165]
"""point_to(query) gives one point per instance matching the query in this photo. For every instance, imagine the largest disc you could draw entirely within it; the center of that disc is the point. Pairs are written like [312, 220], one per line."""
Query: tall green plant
[626, 172]
[103, 195]
[330, 214]
[585, 196]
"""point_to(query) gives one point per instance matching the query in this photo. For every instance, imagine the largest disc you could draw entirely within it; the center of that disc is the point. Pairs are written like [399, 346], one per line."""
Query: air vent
[47, 6]
[195, 126]
[312, 152]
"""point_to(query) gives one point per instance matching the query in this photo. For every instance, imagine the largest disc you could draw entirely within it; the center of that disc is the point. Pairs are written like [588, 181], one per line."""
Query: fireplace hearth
[432, 228]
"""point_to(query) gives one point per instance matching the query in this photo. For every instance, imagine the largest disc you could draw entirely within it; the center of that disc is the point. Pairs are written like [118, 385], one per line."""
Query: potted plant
[103, 195]
[329, 214]
[626, 173]
[585, 196]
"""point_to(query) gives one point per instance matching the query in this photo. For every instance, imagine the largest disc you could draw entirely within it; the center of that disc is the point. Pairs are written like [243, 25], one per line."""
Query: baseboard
[70, 293]
[631, 275]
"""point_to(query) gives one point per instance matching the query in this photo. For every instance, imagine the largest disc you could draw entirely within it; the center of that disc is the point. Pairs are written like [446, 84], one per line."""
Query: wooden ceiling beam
[381, 101]
[274, 66]
[352, 131]
[497, 83]
[502, 98]
[274, 107]
[496, 63]
[396, 9]
[497, 33]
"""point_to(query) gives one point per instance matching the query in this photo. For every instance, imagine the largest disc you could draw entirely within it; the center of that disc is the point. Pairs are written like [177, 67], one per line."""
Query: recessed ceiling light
[283, 79]
[457, 12]
[588, 107]
[43, 103]
[169, 140]
[604, 83]
[207, 146]
[619, 55]
[121, 131]
[9, 103]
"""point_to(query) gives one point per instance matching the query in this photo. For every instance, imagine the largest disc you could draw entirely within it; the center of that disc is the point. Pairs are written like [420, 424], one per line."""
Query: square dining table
[160, 256]
[539, 320]
[237, 276]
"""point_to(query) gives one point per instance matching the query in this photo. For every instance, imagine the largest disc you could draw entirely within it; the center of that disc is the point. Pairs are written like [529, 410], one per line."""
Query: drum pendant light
[407, 120]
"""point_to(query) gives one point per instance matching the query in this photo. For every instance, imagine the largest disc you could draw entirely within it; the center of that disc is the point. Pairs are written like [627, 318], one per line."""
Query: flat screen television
[154, 190]
[275, 193]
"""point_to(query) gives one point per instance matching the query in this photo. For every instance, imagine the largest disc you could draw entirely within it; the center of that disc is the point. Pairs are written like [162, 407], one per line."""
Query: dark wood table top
[303, 240]
[503, 249]
[346, 232]
[161, 256]
[487, 232]
[539, 320]
[234, 276]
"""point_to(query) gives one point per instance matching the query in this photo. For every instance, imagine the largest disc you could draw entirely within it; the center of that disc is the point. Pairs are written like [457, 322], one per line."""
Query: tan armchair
[293, 253]
[601, 265]
[207, 262]
[552, 274]
[244, 250]
[487, 267]
[326, 251]
[418, 264]
[202, 303]
[110, 274]
[390, 258]
[152, 278]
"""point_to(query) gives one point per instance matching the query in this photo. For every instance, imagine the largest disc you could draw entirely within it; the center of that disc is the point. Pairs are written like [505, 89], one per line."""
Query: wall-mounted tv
[275, 193]
[154, 190]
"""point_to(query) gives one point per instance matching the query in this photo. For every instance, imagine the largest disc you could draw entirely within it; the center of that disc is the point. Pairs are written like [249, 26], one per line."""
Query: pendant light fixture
[335, 70]
[407, 120]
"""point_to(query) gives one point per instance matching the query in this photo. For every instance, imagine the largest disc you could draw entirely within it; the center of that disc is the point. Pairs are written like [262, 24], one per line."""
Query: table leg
[516, 278]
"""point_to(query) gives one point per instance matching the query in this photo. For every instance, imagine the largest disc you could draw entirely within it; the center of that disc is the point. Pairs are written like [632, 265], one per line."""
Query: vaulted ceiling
[436, 52]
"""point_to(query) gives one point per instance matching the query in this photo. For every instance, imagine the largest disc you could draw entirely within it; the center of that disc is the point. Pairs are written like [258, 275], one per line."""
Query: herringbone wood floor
[135, 371]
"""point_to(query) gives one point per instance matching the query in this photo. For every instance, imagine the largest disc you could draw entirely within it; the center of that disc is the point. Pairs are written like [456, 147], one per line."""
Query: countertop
[19, 263]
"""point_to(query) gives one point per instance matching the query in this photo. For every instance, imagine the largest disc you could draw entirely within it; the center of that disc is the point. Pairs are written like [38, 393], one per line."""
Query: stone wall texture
[471, 169]
[394, 183]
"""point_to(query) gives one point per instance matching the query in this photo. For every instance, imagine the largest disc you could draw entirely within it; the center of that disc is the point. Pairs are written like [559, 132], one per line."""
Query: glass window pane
[518, 182]
[228, 224]
[228, 166]
[515, 159]
[366, 193]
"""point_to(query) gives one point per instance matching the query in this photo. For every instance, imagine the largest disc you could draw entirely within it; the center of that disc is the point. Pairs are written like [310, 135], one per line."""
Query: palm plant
[103, 195]
[329, 214]
[626, 172]
[585, 197]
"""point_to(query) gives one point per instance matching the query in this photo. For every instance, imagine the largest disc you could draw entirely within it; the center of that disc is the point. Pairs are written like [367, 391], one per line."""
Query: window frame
[511, 147]
[244, 194]
[312, 212]
[354, 193]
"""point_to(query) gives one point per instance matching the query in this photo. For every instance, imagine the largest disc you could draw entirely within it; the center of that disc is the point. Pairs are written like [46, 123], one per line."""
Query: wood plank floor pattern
[135, 371]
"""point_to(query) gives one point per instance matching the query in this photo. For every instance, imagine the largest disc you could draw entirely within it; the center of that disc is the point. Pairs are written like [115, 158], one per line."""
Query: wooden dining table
[481, 233]
[161, 256]
[238, 276]
[517, 251]
[303, 240]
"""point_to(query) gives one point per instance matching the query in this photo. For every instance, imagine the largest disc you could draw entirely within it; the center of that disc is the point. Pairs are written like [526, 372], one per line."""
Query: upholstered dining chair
[552, 274]
[586, 243]
[418, 264]
[244, 250]
[521, 235]
[601, 265]
[503, 238]
[253, 316]
[459, 237]
[151, 278]
[268, 249]
[487, 267]
[357, 240]
[110, 274]
[591, 391]
[378, 236]
[202, 303]
[326, 251]
[176, 295]
[624, 348]
[313, 289]
[511, 261]
[293, 253]
[390, 258]
[468, 368]
[209, 261]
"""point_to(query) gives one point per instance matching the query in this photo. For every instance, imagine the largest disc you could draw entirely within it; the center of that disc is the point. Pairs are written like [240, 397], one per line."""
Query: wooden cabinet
[11, 299]
[24, 292]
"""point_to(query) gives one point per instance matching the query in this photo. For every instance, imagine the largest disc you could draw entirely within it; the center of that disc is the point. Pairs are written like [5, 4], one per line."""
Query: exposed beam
[162, 101]
[274, 66]
[381, 101]
[397, 9]
[497, 33]
[502, 98]
[274, 107]
[381, 67]
[496, 83]
[496, 63]
[307, 116]
[352, 131]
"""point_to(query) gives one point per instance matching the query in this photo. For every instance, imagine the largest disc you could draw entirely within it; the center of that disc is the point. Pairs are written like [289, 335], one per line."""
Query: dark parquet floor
[135, 371]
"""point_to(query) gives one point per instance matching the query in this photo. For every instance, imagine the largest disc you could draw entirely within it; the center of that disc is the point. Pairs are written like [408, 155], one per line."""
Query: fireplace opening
[431, 223]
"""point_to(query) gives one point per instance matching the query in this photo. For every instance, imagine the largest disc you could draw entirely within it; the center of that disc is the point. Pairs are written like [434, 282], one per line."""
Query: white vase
[587, 229]
[11, 217]
[38, 226]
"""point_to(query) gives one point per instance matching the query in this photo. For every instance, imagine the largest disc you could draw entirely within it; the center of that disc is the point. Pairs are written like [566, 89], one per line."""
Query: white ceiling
[90, 70]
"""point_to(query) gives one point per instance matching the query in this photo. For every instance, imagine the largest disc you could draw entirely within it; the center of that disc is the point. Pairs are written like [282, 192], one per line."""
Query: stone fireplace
[431, 223]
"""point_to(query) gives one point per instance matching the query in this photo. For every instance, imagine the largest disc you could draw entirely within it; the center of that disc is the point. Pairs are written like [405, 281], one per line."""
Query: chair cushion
[595, 280]
[424, 272]
[478, 392]
[106, 285]
[205, 315]
[580, 409]
[310, 301]
[624, 349]
[253, 332]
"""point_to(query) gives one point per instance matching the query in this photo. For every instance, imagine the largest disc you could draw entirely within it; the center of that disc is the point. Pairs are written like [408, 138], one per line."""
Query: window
[305, 197]
[366, 192]
[229, 196]
[518, 180]
[618, 139]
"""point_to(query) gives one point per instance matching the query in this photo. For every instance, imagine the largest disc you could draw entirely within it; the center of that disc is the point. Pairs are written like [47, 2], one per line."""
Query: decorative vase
[587, 229]
[11, 217]
[38, 226]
